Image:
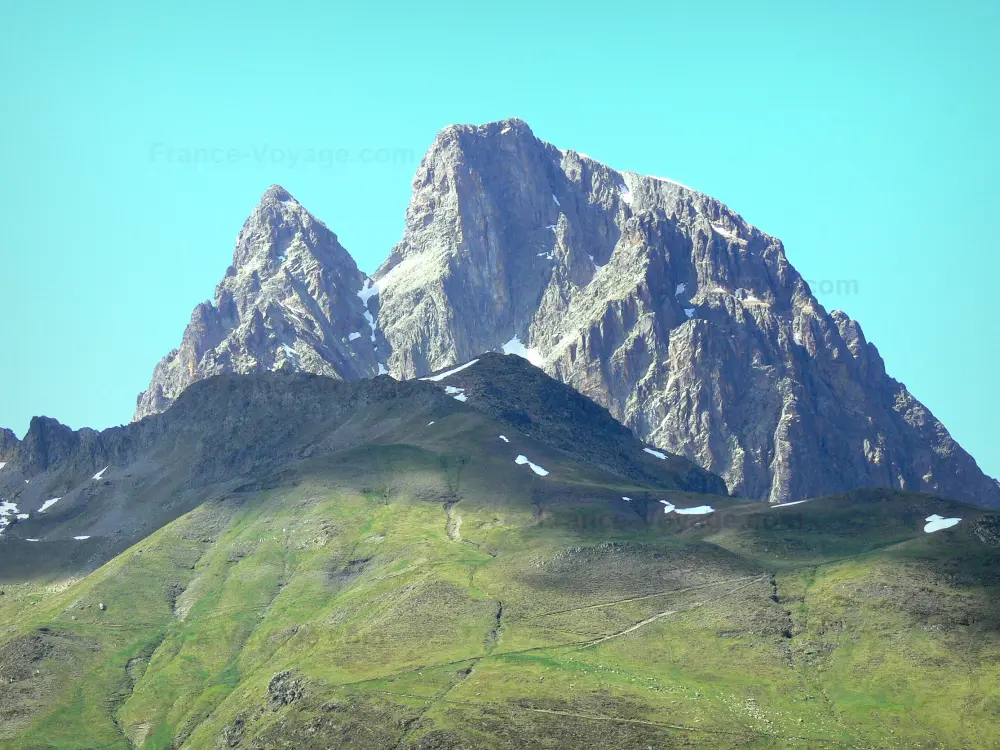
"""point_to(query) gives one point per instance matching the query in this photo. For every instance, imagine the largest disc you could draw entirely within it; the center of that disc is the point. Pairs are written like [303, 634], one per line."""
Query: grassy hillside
[421, 590]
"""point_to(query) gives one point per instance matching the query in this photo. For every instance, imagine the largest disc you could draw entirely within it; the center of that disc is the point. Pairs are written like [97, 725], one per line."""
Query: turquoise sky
[863, 134]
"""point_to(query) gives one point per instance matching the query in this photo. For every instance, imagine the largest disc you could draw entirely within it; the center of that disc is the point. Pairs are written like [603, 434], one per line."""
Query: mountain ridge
[655, 300]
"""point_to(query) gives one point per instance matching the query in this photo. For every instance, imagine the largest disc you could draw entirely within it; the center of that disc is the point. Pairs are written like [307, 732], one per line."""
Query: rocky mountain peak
[663, 305]
[290, 300]
[682, 319]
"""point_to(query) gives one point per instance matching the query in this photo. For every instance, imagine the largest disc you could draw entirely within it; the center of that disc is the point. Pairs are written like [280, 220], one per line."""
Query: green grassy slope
[421, 590]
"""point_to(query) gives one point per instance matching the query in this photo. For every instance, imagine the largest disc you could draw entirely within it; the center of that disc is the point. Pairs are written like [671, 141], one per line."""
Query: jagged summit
[277, 193]
[657, 301]
[288, 301]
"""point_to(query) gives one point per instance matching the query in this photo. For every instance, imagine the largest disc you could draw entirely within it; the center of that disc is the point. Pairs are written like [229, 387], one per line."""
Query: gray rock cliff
[290, 300]
[656, 301]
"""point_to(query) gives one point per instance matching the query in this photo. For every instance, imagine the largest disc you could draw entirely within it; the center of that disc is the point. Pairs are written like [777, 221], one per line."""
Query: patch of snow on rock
[450, 390]
[291, 354]
[719, 229]
[556, 200]
[668, 507]
[626, 194]
[48, 504]
[785, 505]
[701, 510]
[382, 370]
[368, 290]
[2, 464]
[442, 375]
[679, 289]
[626, 499]
[7, 509]
[81, 538]
[504, 438]
[689, 311]
[429, 424]
[100, 475]
[515, 347]
[659, 454]
[521, 460]
[354, 336]
[936, 523]
[461, 397]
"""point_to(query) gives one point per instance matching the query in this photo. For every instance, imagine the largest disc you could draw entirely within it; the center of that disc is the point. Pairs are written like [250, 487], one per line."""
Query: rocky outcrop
[656, 301]
[290, 300]
[661, 304]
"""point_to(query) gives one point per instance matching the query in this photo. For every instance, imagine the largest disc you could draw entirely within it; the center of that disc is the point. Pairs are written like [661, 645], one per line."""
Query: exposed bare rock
[658, 302]
[289, 301]
[661, 304]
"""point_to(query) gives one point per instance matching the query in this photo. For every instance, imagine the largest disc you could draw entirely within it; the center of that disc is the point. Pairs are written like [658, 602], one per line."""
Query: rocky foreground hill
[656, 301]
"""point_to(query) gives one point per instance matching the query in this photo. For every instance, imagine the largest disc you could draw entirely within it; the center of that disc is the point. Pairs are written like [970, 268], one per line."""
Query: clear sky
[864, 134]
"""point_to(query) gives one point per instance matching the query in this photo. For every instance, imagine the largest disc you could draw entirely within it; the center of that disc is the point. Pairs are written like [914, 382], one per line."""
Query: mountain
[228, 433]
[290, 300]
[658, 302]
[485, 559]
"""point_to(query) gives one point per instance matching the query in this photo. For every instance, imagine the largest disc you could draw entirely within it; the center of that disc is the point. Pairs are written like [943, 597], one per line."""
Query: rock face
[290, 300]
[658, 302]
[661, 304]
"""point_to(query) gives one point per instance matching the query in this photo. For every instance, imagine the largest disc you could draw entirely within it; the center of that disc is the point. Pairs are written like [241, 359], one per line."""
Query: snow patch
[553, 227]
[371, 323]
[727, 233]
[504, 438]
[442, 375]
[2, 464]
[7, 509]
[81, 538]
[556, 200]
[659, 454]
[785, 505]
[48, 504]
[382, 370]
[515, 347]
[461, 397]
[99, 475]
[521, 460]
[22, 516]
[451, 390]
[31, 540]
[292, 355]
[626, 193]
[679, 289]
[429, 424]
[936, 523]
[354, 335]
[689, 311]
[701, 510]
[368, 290]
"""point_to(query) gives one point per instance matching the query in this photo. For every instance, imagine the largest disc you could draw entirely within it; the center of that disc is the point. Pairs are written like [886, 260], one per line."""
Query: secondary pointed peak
[277, 194]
